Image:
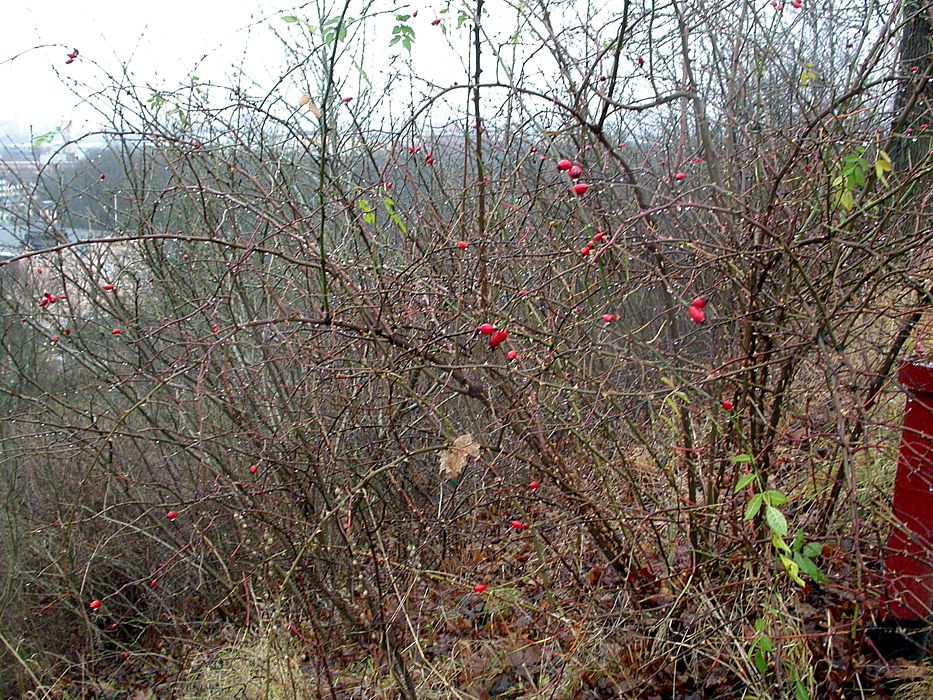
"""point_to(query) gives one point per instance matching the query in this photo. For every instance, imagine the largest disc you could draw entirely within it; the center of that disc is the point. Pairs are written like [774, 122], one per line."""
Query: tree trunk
[913, 105]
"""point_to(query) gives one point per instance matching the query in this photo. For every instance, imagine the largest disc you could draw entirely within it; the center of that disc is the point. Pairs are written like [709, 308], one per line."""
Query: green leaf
[776, 521]
[809, 568]
[759, 660]
[389, 205]
[800, 691]
[181, 116]
[813, 550]
[744, 481]
[779, 544]
[792, 570]
[754, 505]
[669, 401]
[741, 459]
[369, 216]
[857, 178]
[43, 139]
[845, 200]
[807, 75]
[882, 166]
[291, 19]
[776, 498]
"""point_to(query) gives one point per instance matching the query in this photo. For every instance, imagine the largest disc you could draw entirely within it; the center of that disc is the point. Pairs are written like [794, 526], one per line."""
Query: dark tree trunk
[913, 105]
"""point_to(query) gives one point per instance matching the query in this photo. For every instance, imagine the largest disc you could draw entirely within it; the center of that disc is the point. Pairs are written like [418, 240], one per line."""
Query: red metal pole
[908, 561]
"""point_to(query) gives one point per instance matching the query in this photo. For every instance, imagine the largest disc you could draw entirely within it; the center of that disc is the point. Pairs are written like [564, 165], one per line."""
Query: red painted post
[908, 561]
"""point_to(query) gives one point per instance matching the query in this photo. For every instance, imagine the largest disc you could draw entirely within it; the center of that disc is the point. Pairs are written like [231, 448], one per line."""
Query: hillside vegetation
[366, 392]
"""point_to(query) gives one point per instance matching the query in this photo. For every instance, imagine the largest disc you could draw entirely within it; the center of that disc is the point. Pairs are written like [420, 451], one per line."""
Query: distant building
[15, 237]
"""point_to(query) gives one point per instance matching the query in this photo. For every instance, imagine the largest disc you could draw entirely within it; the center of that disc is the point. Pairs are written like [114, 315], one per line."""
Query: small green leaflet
[882, 166]
[335, 28]
[813, 549]
[403, 33]
[43, 139]
[156, 100]
[778, 543]
[809, 568]
[775, 498]
[776, 521]
[389, 205]
[792, 570]
[743, 482]
[369, 216]
[754, 505]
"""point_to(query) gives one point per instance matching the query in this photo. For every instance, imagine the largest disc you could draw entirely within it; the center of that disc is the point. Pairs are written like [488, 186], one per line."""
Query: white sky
[157, 38]
[162, 41]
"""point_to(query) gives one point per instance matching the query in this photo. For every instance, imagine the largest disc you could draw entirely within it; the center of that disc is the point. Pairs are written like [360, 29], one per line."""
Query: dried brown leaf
[306, 100]
[454, 459]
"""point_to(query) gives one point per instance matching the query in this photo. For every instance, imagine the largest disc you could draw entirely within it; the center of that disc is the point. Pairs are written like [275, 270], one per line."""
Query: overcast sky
[157, 38]
[161, 42]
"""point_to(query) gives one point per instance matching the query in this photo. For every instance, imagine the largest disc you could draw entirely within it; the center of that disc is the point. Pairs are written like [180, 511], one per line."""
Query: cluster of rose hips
[575, 172]
[497, 336]
[588, 248]
[696, 310]
[49, 298]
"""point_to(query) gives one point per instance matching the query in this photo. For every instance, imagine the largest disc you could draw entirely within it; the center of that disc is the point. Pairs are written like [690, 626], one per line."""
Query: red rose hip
[498, 338]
